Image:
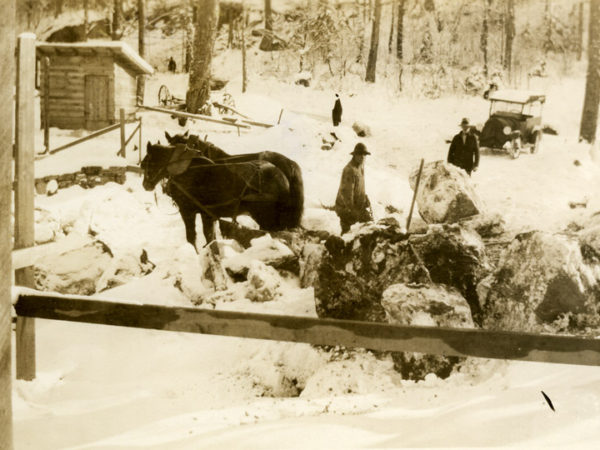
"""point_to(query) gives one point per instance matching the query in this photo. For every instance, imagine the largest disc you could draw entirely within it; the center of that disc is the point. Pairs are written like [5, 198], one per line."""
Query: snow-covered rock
[540, 277]
[123, 269]
[75, 271]
[310, 259]
[487, 225]
[264, 283]
[47, 226]
[271, 251]
[446, 193]
[433, 306]
[361, 129]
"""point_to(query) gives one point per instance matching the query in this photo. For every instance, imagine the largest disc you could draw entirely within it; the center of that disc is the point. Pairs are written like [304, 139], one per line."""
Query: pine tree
[372, 62]
[589, 116]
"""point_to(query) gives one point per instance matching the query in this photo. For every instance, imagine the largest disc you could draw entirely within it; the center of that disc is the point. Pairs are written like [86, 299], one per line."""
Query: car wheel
[515, 149]
[536, 143]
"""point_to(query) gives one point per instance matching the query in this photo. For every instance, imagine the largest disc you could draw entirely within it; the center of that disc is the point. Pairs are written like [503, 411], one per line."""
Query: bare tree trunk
[230, 29]
[391, 39]
[190, 19]
[400, 30]
[591, 103]
[266, 44]
[204, 39]
[117, 19]
[86, 19]
[372, 62]
[509, 27]
[580, 31]
[243, 32]
[141, 81]
[548, 20]
[484, 36]
[58, 7]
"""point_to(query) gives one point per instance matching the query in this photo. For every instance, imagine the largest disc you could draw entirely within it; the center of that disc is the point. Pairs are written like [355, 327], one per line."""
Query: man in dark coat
[352, 204]
[464, 149]
[172, 65]
[336, 112]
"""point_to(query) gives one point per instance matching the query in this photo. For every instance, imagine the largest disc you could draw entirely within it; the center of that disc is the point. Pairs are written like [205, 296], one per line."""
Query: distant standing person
[336, 112]
[352, 204]
[464, 149]
[172, 65]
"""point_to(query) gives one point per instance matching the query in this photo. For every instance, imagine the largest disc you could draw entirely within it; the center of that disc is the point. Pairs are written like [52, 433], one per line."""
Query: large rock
[445, 193]
[264, 283]
[432, 306]
[271, 251]
[589, 240]
[540, 277]
[73, 272]
[310, 259]
[361, 129]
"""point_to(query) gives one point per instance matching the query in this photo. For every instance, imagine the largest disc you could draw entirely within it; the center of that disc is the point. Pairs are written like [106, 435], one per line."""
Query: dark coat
[352, 198]
[464, 155]
[336, 113]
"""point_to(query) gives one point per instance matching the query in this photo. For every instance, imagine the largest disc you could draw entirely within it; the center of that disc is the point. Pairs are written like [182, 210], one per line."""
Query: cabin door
[97, 114]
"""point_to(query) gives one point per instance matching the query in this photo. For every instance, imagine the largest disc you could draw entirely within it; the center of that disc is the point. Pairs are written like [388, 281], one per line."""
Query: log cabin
[89, 82]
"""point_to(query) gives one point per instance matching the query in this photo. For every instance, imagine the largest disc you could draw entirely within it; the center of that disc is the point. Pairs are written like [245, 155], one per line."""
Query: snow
[106, 387]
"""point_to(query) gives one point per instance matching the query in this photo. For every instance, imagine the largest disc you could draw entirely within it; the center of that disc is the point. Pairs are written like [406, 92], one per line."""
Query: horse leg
[189, 220]
[208, 226]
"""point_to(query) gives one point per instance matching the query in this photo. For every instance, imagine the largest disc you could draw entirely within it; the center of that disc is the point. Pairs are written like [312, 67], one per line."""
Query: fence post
[122, 122]
[46, 102]
[7, 73]
[24, 192]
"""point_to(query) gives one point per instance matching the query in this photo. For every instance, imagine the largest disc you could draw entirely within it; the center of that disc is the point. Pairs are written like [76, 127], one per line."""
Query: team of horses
[204, 179]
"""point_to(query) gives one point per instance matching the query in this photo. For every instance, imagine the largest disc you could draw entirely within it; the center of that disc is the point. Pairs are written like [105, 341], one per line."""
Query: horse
[198, 185]
[291, 216]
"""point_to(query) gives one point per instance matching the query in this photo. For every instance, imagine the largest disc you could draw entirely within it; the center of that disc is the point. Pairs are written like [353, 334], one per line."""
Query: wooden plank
[123, 150]
[85, 138]
[193, 116]
[347, 333]
[24, 192]
[7, 73]
[27, 257]
[46, 102]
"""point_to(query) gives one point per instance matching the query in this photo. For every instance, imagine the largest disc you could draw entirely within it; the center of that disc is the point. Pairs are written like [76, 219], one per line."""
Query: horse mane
[210, 150]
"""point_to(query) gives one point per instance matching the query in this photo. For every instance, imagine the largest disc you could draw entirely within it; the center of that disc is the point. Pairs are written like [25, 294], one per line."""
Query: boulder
[487, 225]
[433, 306]
[75, 271]
[589, 240]
[47, 226]
[361, 129]
[540, 277]
[271, 251]
[310, 259]
[51, 187]
[445, 193]
[264, 282]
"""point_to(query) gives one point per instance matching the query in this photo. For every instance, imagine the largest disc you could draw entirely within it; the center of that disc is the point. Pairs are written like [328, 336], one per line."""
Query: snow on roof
[123, 53]
[517, 96]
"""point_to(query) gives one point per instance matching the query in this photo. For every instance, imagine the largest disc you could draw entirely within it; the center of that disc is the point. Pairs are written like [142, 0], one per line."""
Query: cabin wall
[125, 92]
[67, 96]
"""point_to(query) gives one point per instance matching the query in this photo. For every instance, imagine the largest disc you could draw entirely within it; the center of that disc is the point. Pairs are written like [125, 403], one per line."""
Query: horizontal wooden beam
[194, 116]
[346, 333]
[86, 138]
[26, 257]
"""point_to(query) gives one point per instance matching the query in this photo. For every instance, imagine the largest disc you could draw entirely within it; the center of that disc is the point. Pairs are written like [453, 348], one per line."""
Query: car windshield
[508, 107]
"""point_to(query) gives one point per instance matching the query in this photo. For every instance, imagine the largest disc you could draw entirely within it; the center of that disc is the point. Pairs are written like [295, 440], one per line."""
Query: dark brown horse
[292, 214]
[257, 188]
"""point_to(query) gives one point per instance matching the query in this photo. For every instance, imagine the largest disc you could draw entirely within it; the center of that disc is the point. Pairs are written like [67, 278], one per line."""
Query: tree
[372, 61]
[589, 116]
[117, 19]
[266, 43]
[242, 25]
[400, 30]
[509, 30]
[485, 35]
[391, 39]
[86, 19]
[141, 81]
[205, 32]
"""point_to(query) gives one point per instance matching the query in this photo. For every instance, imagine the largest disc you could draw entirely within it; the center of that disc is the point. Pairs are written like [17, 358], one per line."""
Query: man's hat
[465, 121]
[360, 149]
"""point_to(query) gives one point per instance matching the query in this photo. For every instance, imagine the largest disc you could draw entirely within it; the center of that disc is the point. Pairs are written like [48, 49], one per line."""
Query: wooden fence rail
[346, 333]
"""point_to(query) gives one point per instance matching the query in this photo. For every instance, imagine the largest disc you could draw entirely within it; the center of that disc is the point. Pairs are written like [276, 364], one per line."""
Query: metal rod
[412, 205]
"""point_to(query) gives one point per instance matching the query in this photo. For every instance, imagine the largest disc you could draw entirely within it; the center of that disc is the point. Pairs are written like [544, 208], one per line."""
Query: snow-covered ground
[108, 387]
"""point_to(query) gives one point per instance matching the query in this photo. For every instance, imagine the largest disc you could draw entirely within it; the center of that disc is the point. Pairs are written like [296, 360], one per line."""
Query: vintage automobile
[514, 123]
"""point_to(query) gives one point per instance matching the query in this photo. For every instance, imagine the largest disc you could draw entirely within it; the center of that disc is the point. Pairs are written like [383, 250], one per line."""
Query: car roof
[517, 96]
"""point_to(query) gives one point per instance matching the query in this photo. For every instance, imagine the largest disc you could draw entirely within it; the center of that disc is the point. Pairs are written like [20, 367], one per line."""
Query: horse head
[177, 138]
[154, 164]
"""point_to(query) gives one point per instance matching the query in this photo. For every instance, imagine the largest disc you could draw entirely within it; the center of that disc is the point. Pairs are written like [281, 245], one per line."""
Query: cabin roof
[124, 55]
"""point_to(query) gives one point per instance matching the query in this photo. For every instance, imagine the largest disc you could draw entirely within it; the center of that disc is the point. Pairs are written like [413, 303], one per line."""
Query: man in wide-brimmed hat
[464, 149]
[352, 204]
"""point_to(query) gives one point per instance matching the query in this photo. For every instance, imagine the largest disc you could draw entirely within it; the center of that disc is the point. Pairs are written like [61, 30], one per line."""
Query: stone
[91, 170]
[51, 187]
[40, 186]
[271, 251]
[241, 234]
[264, 282]
[310, 259]
[487, 225]
[446, 193]
[75, 271]
[432, 306]
[540, 277]
[47, 226]
[361, 129]
[454, 256]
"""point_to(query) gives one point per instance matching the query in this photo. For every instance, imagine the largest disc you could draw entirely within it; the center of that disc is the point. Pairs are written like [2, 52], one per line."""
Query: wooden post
[243, 32]
[141, 80]
[24, 193]
[280, 114]
[412, 205]
[122, 123]
[7, 74]
[140, 140]
[46, 103]
[579, 31]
